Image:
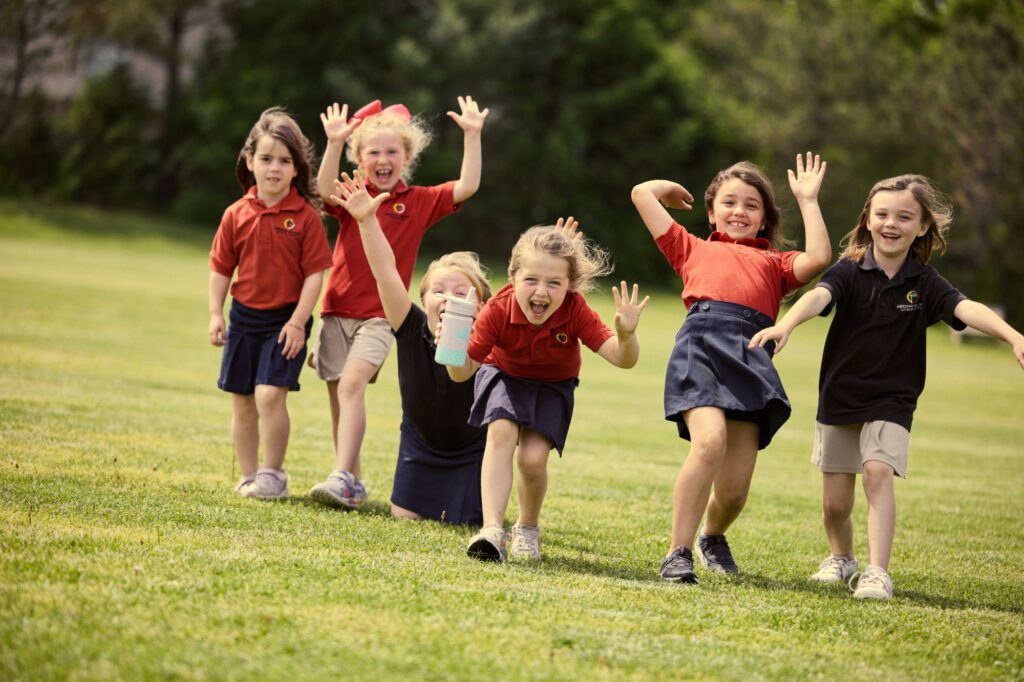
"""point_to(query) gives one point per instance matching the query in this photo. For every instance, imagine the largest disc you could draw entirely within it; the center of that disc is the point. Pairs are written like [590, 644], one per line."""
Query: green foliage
[109, 159]
[125, 555]
[28, 151]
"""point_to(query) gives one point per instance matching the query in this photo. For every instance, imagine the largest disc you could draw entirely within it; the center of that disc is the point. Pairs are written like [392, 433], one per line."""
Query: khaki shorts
[844, 449]
[341, 338]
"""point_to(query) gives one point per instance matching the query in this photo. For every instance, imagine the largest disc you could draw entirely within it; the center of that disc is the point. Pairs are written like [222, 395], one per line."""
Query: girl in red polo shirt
[527, 338]
[728, 401]
[355, 337]
[274, 239]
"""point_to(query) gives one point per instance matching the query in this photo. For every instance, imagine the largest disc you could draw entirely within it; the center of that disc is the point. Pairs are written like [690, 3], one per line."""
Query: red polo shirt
[404, 217]
[748, 271]
[503, 336]
[274, 249]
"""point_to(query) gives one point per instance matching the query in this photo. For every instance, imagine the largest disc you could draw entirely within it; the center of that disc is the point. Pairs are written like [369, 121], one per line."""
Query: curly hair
[758, 179]
[414, 134]
[465, 262]
[586, 260]
[936, 214]
[276, 123]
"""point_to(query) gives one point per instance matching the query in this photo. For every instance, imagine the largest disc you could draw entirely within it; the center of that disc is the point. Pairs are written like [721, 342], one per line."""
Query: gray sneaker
[835, 569]
[488, 545]
[341, 489]
[873, 583]
[244, 482]
[525, 542]
[270, 484]
[677, 567]
[714, 553]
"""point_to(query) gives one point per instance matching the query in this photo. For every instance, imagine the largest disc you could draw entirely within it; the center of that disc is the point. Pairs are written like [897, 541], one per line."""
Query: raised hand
[567, 227]
[336, 123]
[471, 119]
[806, 181]
[673, 195]
[627, 310]
[353, 197]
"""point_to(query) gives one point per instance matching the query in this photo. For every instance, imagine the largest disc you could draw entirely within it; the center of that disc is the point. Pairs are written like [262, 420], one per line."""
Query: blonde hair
[276, 123]
[936, 213]
[586, 260]
[758, 179]
[414, 134]
[465, 262]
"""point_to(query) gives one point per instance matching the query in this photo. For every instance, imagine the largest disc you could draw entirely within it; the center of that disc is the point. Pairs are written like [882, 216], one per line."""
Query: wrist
[289, 323]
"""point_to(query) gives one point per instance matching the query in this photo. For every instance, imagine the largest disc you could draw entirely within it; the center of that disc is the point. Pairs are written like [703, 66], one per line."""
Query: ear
[711, 221]
[924, 229]
[248, 162]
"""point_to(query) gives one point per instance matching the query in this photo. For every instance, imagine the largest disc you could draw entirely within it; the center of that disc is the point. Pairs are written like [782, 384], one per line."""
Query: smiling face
[541, 284]
[383, 156]
[894, 222]
[738, 210]
[273, 168]
[450, 281]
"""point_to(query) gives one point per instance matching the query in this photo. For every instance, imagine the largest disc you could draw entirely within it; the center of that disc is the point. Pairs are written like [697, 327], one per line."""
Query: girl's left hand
[806, 182]
[353, 197]
[568, 227]
[627, 310]
[294, 338]
[471, 120]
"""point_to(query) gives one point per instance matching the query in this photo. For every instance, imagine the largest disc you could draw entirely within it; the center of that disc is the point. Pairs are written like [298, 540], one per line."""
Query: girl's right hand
[336, 124]
[353, 197]
[217, 330]
[775, 333]
[806, 181]
[673, 195]
[568, 227]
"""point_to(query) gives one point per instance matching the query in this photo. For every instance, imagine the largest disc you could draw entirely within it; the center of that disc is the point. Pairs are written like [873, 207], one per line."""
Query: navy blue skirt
[544, 406]
[711, 366]
[440, 486]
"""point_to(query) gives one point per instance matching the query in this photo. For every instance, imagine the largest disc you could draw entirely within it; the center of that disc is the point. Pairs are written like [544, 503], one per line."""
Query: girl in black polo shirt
[873, 365]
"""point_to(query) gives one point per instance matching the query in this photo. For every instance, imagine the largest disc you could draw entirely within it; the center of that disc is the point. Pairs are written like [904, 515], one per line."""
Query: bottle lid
[459, 306]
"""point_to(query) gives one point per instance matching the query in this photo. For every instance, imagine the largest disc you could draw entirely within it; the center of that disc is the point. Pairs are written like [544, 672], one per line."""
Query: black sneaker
[715, 555]
[677, 567]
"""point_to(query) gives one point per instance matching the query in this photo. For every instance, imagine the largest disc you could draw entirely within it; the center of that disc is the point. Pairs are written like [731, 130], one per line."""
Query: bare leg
[837, 497]
[878, 486]
[352, 414]
[332, 396]
[533, 475]
[245, 432]
[402, 513]
[693, 484]
[732, 483]
[273, 411]
[496, 470]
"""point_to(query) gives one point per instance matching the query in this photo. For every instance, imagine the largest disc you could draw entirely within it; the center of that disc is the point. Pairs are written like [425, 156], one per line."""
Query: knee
[731, 499]
[352, 386]
[877, 475]
[270, 399]
[708, 446]
[532, 467]
[503, 433]
[836, 510]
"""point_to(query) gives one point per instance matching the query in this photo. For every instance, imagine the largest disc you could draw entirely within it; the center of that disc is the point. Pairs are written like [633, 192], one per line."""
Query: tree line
[587, 98]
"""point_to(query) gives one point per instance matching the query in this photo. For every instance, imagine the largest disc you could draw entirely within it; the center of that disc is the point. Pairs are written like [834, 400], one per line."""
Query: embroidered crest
[562, 337]
[398, 207]
[912, 296]
[289, 224]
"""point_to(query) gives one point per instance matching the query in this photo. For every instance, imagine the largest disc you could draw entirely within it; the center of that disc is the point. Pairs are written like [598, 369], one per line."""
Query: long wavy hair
[276, 123]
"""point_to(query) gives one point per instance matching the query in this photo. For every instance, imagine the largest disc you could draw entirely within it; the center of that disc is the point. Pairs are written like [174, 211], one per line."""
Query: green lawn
[124, 553]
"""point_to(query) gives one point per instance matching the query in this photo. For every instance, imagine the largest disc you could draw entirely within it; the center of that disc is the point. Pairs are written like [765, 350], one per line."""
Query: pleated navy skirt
[711, 365]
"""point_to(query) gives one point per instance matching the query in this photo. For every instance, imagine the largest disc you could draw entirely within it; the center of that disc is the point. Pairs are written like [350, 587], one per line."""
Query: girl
[728, 403]
[273, 236]
[438, 471]
[354, 335]
[528, 339]
[873, 366]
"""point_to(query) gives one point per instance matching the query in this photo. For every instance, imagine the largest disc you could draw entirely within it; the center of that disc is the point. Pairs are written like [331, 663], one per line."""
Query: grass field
[124, 553]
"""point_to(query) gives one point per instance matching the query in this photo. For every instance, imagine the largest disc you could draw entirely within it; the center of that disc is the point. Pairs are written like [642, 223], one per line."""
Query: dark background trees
[587, 98]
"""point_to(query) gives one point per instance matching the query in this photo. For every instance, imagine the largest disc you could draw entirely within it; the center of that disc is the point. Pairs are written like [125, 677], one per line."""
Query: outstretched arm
[352, 196]
[293, 334]
[651, 199]
[338, 129]
[808, 306]
[806, 183]
[218, 294]
[471, 120]
[982, 318]
[623, 349]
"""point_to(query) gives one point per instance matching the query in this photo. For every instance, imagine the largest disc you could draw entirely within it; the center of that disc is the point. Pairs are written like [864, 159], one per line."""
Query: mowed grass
[124, 553]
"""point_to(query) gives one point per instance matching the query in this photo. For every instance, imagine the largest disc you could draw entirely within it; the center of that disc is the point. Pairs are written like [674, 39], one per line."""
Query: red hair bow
[374, 109]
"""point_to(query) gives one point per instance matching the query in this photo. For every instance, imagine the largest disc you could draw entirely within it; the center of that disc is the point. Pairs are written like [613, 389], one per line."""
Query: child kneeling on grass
[873, 366]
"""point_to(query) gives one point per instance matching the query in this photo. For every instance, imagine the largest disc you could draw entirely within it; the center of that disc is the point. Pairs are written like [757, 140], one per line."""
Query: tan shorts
[844, 449]
[341, 338]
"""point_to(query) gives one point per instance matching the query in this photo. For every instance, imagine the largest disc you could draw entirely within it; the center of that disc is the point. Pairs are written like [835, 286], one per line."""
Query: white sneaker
[488, 545]
[525, 542]
[835, 569]
[270, 484]
[341, 489]
[873, 583]
[244, 482]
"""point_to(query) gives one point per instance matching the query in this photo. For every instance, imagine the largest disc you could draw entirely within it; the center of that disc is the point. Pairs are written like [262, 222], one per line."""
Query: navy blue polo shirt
[873, 365]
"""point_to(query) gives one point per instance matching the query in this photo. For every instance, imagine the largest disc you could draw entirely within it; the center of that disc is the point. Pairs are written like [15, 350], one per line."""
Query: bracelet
[292, 324]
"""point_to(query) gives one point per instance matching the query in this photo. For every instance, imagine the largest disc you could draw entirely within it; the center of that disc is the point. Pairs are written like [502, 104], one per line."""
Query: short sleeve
[486, 328]
[440, 202]
[789, 278]
[941, 299]
[223, 254]
[588, 326]
[676, 245]
[835, 281]
[316, 252]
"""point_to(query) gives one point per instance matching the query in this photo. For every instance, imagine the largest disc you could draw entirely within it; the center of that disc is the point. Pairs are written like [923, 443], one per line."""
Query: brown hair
[936, 213]
[276, 123]
[587, 261]
[414, 134]
[465, 262]
[756, 178]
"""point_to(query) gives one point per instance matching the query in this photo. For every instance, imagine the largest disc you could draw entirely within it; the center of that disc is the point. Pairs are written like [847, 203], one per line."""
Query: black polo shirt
[873, 365]
[432, 403]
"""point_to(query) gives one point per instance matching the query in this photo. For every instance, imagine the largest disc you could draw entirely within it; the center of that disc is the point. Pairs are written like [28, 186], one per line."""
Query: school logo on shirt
[913, 302]
[289, 224]
[562, 338]
[398, 207]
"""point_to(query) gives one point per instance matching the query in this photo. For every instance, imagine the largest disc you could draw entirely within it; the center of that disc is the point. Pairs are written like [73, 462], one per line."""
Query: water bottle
[458, 320]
